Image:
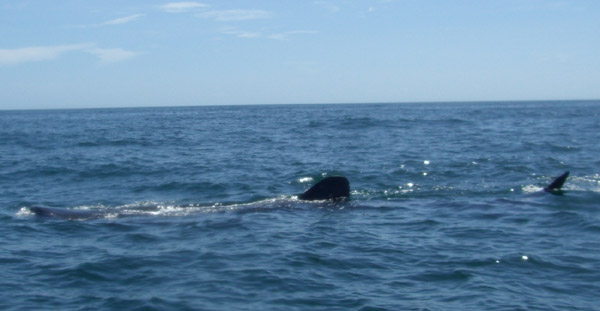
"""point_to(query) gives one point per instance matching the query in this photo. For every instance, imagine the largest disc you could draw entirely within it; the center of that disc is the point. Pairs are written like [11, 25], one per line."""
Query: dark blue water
[198, 208]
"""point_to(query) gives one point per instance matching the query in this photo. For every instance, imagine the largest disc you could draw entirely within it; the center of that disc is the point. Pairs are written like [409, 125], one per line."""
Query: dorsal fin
[334, 187]
[557, 184]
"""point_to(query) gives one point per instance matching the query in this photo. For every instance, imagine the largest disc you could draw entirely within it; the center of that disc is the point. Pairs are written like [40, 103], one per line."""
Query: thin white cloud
[46, 53]
[256, 35]
[181, 7]
[112, 55]
[243, 34]
[112, 22]
[235, 15]
[287, 34]
[37, 53]
[328, 5]
[123, 20]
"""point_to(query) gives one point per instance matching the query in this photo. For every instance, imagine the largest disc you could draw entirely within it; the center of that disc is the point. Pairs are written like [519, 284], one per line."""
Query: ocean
[196, 208]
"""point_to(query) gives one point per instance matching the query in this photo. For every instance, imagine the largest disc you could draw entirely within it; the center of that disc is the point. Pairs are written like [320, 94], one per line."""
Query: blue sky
[78, 54]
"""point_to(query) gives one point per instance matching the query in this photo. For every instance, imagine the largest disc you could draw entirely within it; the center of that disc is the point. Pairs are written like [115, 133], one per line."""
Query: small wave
[191, 186]
[45, 170]
[570, 265]
[449, 121]
[117, 143]
[459, 275]
[358, 123]
[550, 147]
[584, 183]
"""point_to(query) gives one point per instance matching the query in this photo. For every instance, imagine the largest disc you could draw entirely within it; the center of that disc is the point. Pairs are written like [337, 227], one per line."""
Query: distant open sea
[198, 209]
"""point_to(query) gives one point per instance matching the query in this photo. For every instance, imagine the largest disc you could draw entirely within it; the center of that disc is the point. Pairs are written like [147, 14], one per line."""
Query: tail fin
[334, 187]
[557, 184]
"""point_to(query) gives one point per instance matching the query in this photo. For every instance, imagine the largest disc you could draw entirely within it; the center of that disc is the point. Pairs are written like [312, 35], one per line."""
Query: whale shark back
[71, 214]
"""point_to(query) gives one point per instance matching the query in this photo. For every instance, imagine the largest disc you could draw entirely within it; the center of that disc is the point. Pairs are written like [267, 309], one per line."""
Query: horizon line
[317, 103]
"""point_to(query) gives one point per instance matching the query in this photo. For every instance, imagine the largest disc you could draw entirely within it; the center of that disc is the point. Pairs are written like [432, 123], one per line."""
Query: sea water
[199, 211]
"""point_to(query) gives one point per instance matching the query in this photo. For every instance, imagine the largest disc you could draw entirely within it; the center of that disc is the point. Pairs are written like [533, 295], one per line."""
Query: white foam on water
[531, 188]
[305, 179]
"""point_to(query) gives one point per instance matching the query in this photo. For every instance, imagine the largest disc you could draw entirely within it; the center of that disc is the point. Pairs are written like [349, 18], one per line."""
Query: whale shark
[333, 188]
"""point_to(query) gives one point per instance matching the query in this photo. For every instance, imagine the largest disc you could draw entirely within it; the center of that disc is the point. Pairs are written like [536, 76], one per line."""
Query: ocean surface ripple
[195, 208]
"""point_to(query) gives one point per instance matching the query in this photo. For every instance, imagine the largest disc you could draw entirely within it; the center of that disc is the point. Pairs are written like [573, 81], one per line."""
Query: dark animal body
[65, 213]
[556, 185]
[330, 188]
